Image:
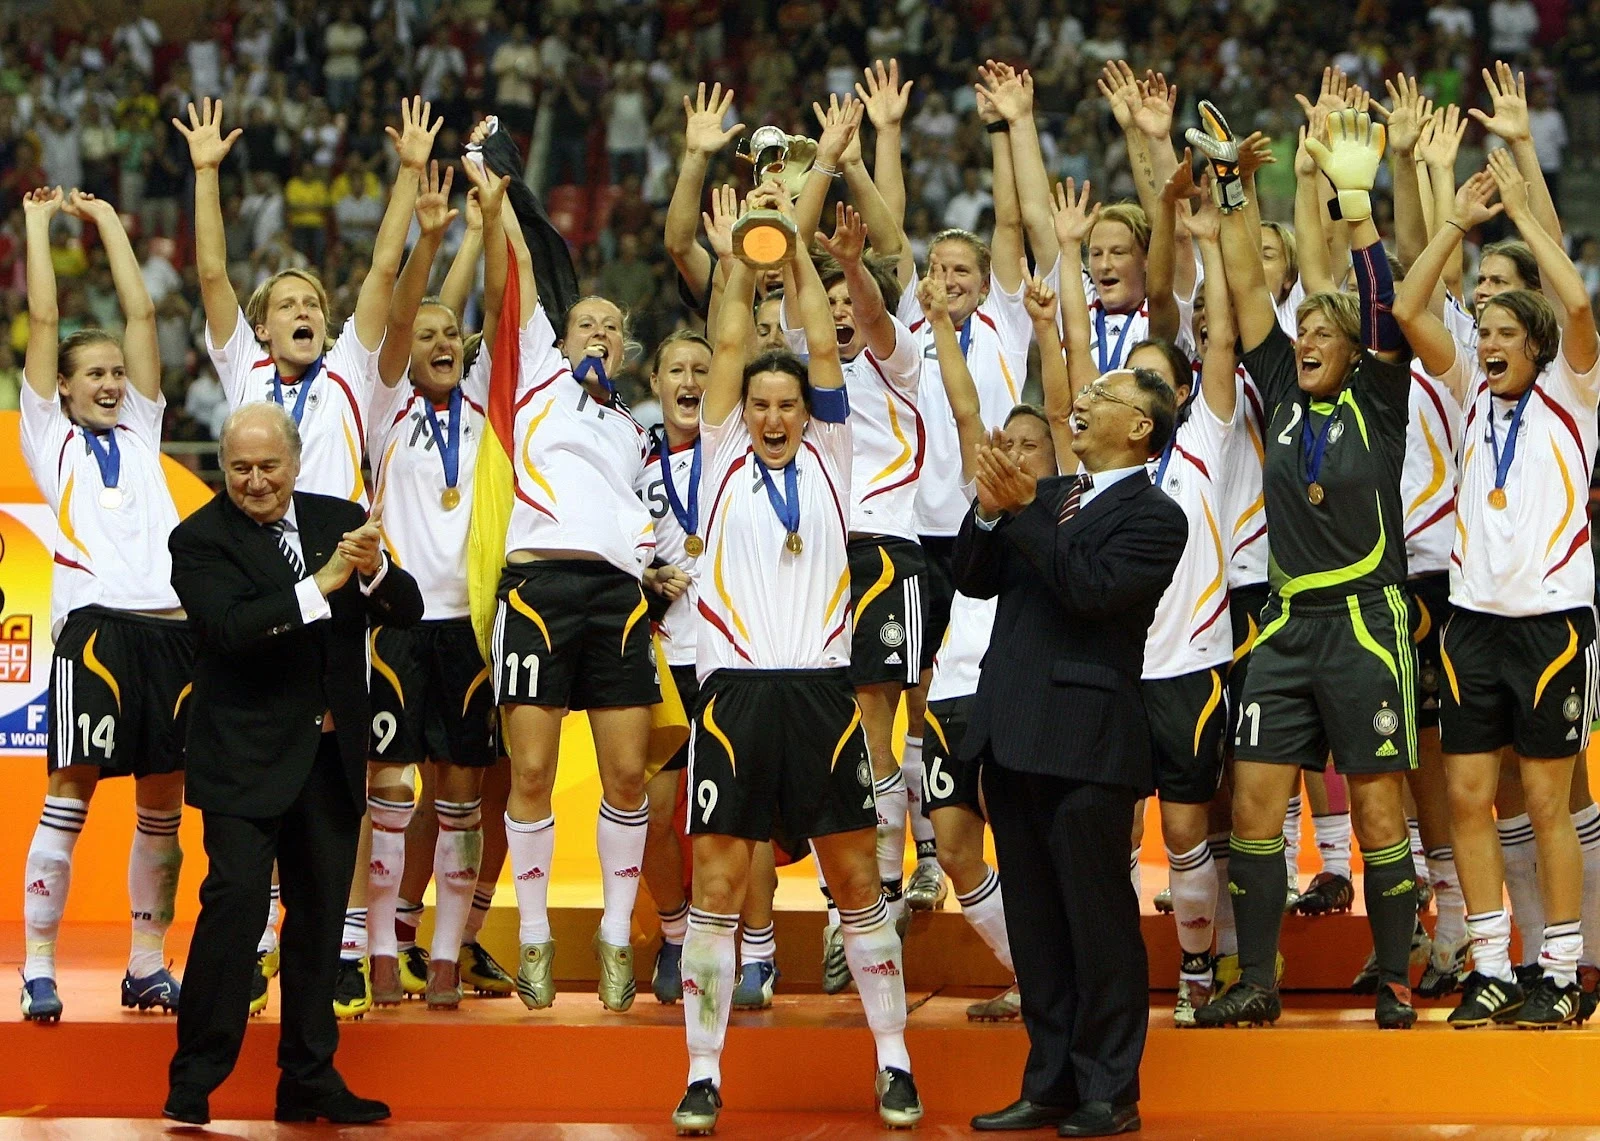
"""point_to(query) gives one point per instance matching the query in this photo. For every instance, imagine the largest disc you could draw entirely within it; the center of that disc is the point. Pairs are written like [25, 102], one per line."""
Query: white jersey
[1532, 557]
[104, 556]
[1462, 324]
[966, 639]
[890, 444]
[681, 622]
[1244, 506]
[1112, 336]
[1191, 630]
[765, 607]
[577, 462]
[422, 535]
[1428, 479]
[331, 425]
[1288, 321]
[995, 342]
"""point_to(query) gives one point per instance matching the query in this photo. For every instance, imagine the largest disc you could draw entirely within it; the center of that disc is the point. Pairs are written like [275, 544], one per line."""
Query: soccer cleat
[899, 1107]
[444, 985]
[387, 989]
[1244, 1004]
[1226, 972]
[482, 973]
[1424, 895]
[616, 975]
[1394, 1010]
[269, 961]
[1327, 894]
[756, 983]
[413, 970]
[1193, 995]
[536, 983]
[1447, 966]
[41, 1002]
[1163, 901]
[258, 983]
[666, 980]
[1589, 985]
[159, 989]
[696, 1115]
[835, 967]
[352, 990]
[1421, 955]
[1485, 999]
[1550, 1004]
[927, 888]
[1291, 896]
[1003, 1007]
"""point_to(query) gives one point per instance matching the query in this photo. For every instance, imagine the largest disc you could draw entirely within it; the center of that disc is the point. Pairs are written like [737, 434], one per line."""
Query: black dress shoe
[187, 1107]
[1101, 1119]
[1019, 1115]
[341, 1107]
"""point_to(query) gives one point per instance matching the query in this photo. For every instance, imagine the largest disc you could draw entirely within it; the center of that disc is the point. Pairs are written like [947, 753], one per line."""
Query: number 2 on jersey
[1284, 437]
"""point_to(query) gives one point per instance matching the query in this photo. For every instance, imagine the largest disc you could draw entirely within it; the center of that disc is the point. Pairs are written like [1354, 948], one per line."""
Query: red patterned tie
[1074, 499]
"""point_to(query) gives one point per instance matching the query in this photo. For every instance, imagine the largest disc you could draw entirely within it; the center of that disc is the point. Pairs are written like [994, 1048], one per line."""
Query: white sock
[1490, 933]
[457, 854]
[46, 877]
[269, 934]
[406, 917]
[758, 944]
[530, 848]
[620, 836]
[1291, 840]
[389, 821]
[1227, 934]
[1559, 951]
[1136, 875]
[1447, 899]
[1587, 822]
[911, 772]
[1522, 881]
[482, 901]
[674, 924]
[984, 908]
[890, 793]
[353, 943]
[153, 864]
[1333, 842]
[827, 892]
[1419, 854]
[873, 951]
[1194, 897]
[707, 968]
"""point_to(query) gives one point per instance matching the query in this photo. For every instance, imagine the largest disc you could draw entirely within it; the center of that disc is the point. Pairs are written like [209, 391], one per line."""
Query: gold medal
[695, 546]
[1316, 494]
[111, 498]
[1497, 499]
[450, 498]
[793, 543]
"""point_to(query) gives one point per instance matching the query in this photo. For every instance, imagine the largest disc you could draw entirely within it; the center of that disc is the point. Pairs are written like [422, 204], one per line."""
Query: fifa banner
[27, 558]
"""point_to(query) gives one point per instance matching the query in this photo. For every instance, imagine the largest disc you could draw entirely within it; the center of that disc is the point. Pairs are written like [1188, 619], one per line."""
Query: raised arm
[433, 215]
[498, 219]
[959, 388]
[413, 143]
[1073, 219]
[703, 137]
[207, 148]
[839, 123]
[866, 300]
[141, 352]
[1044, 310]
[886, 99]
[1180, 188]
[1005, 247]
[816, 318]
[44, 317]
[735, 317]
[883, 225]
[1437, 151]
[1429, 339]
[1218, 386]
[1408, 110]
[457, 287]
[1011, 94]
[1508, 95]
[1310, 222]
[1253, 307]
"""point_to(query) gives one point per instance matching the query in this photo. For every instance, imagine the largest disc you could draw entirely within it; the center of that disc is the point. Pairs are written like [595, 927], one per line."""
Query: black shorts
[689, 693]
[1524, 682]
[886, 595]
[1430, 610]
[1245, 604]
[431, 698]
[948, 781]
[1337, 676]
[119, 692]
[779, 755]
[938, 591]
[1188, 724]
[572, 634]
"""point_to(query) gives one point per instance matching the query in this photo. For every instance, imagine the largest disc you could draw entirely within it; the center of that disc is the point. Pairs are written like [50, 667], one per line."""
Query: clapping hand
[1003, 487]
[363, 548]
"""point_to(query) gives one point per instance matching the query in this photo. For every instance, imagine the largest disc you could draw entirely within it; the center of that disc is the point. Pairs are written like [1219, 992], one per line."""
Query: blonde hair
[1343, 309]
[1131, 215]
[1291, 252]
[255, 310]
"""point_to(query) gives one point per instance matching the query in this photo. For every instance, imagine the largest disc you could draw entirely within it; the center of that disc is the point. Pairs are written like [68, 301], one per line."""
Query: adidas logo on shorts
[893, 660]
[37, 887]
[531, 874]
[1387, 749]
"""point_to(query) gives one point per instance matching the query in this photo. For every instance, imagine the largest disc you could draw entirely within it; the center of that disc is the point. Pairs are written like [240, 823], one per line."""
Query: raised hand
[849, 239]
[43, 202]
[433, 202]
[86, 207]
[1205, 224]
[1475, 203]
[491, 188]
[1335, 85]
[413, 142]
[1038, 298]
[884, 96]
[1512, 186]
[702, 132]
[933, 294]
[1121, 90]
[1010, 92]
[839, 122]
[207, 146]
[1351, 160]
[1181, 185]
[474, 211]
[719, 222]
[1157, 101]
[1441, 139]
[1408, 110]
[1254, 153]
[1074, 217]
[1508, 94]
[1304, 165]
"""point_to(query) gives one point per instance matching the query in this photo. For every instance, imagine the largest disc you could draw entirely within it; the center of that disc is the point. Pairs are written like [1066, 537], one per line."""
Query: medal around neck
[111, 498]
[793, 543]
[694, 546]
[450, 498]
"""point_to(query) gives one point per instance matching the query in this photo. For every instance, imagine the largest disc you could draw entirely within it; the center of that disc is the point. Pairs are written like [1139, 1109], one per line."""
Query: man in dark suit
[280, 588]
[1078, 564]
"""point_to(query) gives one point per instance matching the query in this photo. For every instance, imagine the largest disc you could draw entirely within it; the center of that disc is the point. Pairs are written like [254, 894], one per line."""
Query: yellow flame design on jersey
[1437, 479]
[838, 594]
[359, 487]
[722, 592]
[65, 520]
[1222, 563]
[1566, 484]
[527, 460]
[905, 446]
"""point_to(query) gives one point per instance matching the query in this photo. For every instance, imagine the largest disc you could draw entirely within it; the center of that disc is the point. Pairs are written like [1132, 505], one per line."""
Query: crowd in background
[593, 91]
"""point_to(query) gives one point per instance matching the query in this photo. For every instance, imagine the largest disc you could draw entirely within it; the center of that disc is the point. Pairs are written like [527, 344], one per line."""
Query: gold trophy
[765, 239]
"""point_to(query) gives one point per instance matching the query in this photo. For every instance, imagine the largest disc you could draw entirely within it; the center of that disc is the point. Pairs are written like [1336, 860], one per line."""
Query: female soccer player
[91, 437]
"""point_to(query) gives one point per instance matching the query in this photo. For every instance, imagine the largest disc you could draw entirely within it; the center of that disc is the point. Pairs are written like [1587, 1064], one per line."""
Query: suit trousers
[314, 844]
[1073, 921]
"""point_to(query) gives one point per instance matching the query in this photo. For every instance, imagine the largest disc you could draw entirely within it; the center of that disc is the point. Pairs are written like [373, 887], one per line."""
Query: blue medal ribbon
[1108, 363]
[689, 519]
[449, 443]
[595, 367]
[787, 505]
[1312, 451]
[109, 459]
[1502, 460]
[1166, 458]
[305, 389]
[965, 334]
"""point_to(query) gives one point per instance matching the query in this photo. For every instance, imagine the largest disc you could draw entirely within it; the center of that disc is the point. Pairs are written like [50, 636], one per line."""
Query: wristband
[1457, 225]
[998, 127]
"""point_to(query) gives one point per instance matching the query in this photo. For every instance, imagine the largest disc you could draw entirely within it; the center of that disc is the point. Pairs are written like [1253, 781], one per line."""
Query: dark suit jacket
[1059, 692]
[262, 677]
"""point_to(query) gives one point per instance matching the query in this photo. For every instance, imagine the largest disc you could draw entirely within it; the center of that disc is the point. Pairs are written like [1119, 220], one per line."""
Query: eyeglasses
[1100, 390]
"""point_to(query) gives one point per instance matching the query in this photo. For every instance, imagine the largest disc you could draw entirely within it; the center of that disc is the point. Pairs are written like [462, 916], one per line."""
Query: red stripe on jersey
[716, 623]
[1253, 397]
[919, 324]
[1563, 415]
[539, 507]
[265, 362]
[473, 404]
[1222, 608]
[1427, 385]
[1443, 511]
[61, 457]
[716, 500]
[1194, 459]
[66, 562]
[1579, 541]
[916, 460]
[1260, 531]
[843, 526]
[540, 387]
[837, 630]
[986, 319]
[361, 433]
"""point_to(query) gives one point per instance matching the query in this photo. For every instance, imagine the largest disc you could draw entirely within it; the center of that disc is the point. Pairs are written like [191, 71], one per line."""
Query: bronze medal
[793, 543]
[1497, 499]
[1316, 494]
[694, 546]
[450, 498]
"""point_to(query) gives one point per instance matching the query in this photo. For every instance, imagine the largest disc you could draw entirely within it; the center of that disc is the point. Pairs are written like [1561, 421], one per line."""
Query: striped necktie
[1074, 500]
[279, 531]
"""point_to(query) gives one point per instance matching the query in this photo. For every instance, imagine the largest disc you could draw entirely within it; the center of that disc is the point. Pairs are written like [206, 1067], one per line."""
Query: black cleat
[1485, 999]
[899, 1106]
[1589, 984]
[696, 1114]
[1327, 894]
[1244, 1004]
[1550, 1005]
[1394, 1010]
[1442, 978]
